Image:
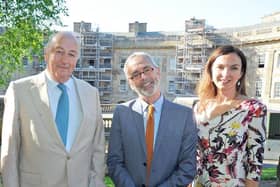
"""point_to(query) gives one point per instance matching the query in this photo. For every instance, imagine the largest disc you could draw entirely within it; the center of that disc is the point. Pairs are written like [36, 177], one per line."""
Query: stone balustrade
[108, 108]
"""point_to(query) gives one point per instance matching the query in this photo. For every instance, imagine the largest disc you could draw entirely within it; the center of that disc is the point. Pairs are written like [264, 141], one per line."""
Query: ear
[157, 71]
[241, 75]
[130, 82]
[46, 57]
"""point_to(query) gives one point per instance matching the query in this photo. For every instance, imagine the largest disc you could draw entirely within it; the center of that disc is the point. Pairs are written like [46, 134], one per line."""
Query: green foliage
[109, 182]
[269, 173]
[25, 23]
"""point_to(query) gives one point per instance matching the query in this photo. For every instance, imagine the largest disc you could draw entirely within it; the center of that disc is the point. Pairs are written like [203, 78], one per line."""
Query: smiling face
[226, 71]
[143, 78]
[61, 56]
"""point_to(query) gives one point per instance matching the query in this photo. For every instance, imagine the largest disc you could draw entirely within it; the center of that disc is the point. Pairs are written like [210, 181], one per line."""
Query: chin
[63, 79]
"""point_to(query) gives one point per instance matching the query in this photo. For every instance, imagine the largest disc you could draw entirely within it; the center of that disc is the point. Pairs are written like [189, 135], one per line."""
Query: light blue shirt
[157, 112]
[75, 110]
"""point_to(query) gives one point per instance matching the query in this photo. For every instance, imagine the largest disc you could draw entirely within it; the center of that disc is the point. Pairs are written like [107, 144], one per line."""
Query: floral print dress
[231, 145]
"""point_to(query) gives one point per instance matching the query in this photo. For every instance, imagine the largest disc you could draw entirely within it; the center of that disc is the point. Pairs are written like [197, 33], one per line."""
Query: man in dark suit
[167, 158]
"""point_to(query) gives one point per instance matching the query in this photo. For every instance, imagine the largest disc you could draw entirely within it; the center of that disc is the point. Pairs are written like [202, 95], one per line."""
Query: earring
[238, 83]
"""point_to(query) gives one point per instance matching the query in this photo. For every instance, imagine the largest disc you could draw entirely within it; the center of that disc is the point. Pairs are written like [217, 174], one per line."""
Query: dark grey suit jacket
[174, 158]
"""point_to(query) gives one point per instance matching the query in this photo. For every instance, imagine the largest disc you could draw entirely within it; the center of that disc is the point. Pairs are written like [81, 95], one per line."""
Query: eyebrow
[137, 71]
[236, 65]
[72, 51]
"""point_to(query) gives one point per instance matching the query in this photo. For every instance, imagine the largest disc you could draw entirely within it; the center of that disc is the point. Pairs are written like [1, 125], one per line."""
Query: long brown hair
[206, 89]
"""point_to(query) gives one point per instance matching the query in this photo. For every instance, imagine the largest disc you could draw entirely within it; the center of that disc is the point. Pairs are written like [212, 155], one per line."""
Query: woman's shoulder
[253, 102]
[254, 106]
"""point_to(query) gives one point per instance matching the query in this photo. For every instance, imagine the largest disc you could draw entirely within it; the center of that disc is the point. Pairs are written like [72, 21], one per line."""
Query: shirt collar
[52, 83]
[157, 104]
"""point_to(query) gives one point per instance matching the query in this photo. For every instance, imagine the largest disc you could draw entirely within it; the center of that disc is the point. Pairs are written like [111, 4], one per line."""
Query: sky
[166, 15]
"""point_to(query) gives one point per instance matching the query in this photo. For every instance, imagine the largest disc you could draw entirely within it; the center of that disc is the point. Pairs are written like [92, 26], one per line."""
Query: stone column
[269, 61]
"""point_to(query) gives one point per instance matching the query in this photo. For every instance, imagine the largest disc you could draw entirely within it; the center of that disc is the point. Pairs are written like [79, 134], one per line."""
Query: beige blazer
[32, 152]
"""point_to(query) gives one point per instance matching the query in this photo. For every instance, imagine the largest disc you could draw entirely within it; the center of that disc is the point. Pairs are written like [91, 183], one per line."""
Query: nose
[225, 71]
[143, 75]
[64, 58]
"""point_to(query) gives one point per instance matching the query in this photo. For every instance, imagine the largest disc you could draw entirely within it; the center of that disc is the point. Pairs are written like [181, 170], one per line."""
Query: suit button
[143, 185]
[145, 164]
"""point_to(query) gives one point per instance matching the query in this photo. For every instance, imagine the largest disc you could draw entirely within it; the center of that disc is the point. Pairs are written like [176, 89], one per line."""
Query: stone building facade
[181, 57]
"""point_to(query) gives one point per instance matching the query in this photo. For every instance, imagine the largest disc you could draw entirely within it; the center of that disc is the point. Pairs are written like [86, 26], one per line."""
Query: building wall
[261, 41]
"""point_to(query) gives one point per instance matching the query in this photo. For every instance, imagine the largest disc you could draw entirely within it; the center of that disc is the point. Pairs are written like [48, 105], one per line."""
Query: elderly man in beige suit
[35, 151]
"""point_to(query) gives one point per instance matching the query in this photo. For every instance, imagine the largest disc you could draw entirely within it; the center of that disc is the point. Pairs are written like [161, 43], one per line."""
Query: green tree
[25, 23]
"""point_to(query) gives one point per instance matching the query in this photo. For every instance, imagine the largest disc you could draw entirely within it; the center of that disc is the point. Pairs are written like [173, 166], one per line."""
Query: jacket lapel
[139, 123]
[83, 104]
[163, 124]
[40, 99]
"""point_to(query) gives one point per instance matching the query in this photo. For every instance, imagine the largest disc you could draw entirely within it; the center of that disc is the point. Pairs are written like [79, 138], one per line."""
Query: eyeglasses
[137, 75]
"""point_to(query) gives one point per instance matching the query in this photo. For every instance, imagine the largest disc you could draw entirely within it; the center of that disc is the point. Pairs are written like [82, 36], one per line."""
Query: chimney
[137, 27]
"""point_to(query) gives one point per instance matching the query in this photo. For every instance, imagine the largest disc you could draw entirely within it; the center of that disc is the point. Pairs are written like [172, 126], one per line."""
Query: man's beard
[142, 92]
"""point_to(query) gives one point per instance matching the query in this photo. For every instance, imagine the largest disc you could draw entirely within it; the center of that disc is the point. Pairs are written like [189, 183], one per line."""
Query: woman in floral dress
[231, 125]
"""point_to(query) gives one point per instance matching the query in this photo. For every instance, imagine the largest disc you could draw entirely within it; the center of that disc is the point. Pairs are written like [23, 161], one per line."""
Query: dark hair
[206, 88]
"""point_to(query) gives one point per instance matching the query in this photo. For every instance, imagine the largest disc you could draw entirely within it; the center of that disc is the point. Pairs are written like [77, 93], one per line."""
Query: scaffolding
[95, 64]
[191, 55]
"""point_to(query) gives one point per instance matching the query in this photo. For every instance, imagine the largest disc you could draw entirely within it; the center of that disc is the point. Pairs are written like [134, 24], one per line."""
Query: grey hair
[145, 55]
[60, 35]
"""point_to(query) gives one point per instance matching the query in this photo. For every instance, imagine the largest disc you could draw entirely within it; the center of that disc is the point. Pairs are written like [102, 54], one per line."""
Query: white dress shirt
[75, 109]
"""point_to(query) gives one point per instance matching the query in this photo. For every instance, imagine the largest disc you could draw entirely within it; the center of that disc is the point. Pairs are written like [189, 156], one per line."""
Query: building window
[195, 76]
[123, 86]
[122, 62]
[259, 88]
[260, 60]
[171, 86]
[91, 62]
[172, 64]
[277, 89]
[274, 128]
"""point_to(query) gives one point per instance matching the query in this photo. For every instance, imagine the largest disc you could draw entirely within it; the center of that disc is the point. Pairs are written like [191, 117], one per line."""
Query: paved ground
[268, 184]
